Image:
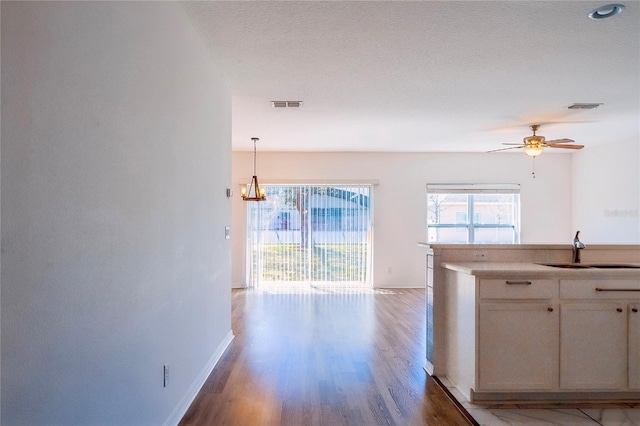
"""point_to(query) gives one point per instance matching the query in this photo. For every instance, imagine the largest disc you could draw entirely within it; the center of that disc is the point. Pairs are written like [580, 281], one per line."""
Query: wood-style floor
[324, 358]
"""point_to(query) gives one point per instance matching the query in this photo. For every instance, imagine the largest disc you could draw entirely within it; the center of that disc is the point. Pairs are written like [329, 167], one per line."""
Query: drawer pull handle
[619, 309]
[617, 289]
[634, 310]
[550, 309]
[519, 282]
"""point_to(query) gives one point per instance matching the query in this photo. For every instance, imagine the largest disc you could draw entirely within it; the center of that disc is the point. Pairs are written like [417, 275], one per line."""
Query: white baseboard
[182, 407]
[400, 285]
[428, 367]
[388, 285]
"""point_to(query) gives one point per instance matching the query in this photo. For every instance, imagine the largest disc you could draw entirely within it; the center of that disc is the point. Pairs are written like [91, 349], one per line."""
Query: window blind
[473, 188]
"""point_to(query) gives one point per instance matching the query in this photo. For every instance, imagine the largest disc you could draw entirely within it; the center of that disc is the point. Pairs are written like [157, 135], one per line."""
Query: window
[310, 235]
[494, 209]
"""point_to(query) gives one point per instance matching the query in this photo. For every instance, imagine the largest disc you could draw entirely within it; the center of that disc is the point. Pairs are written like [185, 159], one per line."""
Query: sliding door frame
[338, 217]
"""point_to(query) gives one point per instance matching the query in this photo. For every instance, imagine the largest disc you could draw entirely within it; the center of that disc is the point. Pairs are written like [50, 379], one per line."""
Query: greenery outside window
[473, 213]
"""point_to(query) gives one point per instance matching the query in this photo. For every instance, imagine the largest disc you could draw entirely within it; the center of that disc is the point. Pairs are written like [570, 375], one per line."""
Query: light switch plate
[227, 233]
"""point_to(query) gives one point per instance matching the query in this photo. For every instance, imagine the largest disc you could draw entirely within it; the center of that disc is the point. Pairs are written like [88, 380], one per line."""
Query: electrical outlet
[166, 375]
[480, 255]
[227, 233]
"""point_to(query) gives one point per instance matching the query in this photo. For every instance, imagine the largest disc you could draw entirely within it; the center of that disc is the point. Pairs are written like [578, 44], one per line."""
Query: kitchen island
[523, 331]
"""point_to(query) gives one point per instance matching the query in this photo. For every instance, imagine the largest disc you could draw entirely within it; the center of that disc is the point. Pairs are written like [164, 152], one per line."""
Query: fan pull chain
[533, 173]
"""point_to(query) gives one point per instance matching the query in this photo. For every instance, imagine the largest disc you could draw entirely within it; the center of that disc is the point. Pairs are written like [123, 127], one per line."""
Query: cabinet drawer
[518, 288]
[600, 289]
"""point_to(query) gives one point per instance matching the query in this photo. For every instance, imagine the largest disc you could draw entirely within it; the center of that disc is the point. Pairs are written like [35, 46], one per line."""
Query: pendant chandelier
[253, 192]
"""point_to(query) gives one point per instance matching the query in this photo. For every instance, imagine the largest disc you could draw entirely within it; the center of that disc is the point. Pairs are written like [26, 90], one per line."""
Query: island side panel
[439, 361]
[460, 302]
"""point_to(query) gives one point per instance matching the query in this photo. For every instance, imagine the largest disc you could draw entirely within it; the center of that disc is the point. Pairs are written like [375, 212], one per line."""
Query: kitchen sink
[566, 265]
[591, 265]
[613, 266]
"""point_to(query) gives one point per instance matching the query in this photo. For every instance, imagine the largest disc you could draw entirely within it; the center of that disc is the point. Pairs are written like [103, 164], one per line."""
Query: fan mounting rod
[534, 127]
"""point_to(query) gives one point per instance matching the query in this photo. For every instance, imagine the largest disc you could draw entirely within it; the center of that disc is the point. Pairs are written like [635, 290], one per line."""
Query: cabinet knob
[619, 309]
[550, 309]
[634, 310]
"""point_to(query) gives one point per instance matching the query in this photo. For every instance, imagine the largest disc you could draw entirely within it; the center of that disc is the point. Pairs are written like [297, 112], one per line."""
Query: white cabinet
[517, 334]
[634, 345]
[593, 346]
[517, 346]
[599, 345]
[570, 337]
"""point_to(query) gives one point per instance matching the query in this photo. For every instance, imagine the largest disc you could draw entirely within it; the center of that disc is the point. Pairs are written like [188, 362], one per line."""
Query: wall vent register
[286, 104]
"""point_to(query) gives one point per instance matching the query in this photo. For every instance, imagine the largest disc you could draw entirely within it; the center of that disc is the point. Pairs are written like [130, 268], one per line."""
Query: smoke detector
[286, 104]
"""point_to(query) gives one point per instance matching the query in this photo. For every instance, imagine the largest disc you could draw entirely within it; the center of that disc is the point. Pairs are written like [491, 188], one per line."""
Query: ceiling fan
[534, 145]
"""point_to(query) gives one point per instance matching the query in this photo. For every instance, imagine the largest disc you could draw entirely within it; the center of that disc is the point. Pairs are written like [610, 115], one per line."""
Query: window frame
[472, 219]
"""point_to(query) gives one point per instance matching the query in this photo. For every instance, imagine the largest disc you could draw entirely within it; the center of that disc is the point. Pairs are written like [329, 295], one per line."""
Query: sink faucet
[577, 246]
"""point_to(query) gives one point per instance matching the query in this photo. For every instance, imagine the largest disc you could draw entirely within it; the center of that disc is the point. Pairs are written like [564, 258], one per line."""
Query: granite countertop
[538, 246]
[494, 246]
[534, 270]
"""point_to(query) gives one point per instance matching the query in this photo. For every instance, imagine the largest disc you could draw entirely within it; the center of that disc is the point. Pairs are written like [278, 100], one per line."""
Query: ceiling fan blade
[519, 144]
[563, 140]
[565, 146]
[519, 123]
[504, 149]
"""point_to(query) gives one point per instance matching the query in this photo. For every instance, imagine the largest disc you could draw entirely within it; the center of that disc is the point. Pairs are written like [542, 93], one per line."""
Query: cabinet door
[634, 346]
[517, 346]
[593, 346]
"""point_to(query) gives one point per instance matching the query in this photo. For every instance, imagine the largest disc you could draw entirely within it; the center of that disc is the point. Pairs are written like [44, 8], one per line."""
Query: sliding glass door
[310, 235]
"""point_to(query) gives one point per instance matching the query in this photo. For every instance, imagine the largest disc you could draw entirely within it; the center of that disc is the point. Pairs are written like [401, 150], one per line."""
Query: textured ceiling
[430, 76]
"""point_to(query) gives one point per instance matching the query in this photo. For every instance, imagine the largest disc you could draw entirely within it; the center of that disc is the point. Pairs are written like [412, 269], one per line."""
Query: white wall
[400, 208]
[606, 193]
[115, 156]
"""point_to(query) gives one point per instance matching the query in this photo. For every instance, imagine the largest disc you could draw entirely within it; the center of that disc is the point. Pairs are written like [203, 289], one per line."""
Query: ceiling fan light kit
[533, 150]
[533, 145]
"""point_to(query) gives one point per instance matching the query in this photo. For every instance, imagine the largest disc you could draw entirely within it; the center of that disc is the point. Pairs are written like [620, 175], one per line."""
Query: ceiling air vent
[584, 106]
[286, 104]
